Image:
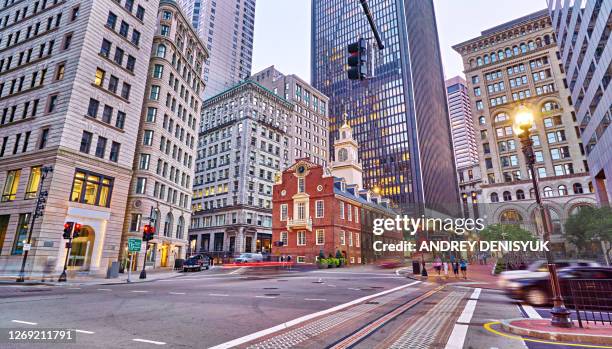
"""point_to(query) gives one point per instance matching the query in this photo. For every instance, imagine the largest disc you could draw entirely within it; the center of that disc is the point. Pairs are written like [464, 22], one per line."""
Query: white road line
[148, 341]
[25, 322]
[74, 288]
[140, 291]
[315, 299]
[218, 294]
[457, 337]
[354, 289]
[331, 285]
[176, 292]
[270, 297]
[468, 311]
[532, 313]
[104, 289]
[83, 331]
[304, 318]
[476, 293]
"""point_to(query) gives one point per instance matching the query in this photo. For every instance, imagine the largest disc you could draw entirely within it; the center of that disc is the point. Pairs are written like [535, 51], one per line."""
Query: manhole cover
[271, 294]
[270, 288]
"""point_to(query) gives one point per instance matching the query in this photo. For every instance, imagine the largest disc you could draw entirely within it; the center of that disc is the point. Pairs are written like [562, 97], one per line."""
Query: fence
[592, 300]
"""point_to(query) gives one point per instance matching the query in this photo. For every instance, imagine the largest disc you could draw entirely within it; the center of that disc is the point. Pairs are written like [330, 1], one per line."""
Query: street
[253, 308]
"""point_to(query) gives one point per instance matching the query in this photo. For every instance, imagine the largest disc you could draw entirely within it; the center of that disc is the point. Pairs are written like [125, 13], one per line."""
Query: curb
[555, 336]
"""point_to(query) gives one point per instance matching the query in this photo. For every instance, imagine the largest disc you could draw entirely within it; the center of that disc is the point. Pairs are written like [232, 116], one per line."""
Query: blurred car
[537, 291]
[197, 262]
[539, 269]
[249, 258]
[390, 264]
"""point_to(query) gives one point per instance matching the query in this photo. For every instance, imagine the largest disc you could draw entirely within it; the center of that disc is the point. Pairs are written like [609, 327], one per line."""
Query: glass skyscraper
[399, 115]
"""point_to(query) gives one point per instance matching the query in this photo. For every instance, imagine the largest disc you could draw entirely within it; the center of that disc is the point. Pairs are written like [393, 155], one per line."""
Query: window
[301, 238]
[120, 121]
[67, 41]
[283, 212]
[99, 80]
[562, 190]
[114, 152]
[301, 210]
[494, 197]
[147, 138]
[141, 185]
[92, 110]
[158, 71]
[140, 12]
[59, 71]
[319, 209]
[151, 114]
[520, 194]
[52, 103]
[167, 15]
[578, 188]
[105, 49]
[21, 233]
[350, 236]
[161, 51]
[124, 28]
[284, 238]
[131, 63]
[320, 237]
[135, 222]
[125, 90]
[154, 95]
[301, 184]
[165, 30]
[541, 172]
[111, 20]
[507, 196]
[92, 189]
[75, 13]
[342, 237]
[107, 114]
[86, 142]
[135, 37]
[357, 242]
[119, 56]
[144, 161]
[101, 147]
[33, 182]
[44, 136]
[548, 192]
[10, 185]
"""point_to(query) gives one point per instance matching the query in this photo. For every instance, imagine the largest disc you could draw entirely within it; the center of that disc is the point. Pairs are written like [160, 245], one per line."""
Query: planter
[322, 265]
[332, 265]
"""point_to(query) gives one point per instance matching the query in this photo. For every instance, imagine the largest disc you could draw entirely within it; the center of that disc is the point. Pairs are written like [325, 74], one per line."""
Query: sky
[282, 30]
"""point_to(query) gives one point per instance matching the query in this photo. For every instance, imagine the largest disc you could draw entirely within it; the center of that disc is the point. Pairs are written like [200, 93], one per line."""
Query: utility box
[113, 270]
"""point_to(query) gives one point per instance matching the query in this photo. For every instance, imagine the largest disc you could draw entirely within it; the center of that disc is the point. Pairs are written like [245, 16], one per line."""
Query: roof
[359, 199]
[515, 22]
[253, 83]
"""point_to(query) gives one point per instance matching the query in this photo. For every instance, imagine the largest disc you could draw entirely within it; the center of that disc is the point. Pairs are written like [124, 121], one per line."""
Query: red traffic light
[68, 230]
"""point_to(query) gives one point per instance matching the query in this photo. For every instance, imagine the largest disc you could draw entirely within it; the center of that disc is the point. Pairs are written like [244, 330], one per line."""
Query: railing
[592, 300]
[299, 224]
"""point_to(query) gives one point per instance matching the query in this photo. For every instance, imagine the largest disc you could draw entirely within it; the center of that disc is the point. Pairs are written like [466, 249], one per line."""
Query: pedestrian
[445, 265]
[463, 266]
[456, 269]
[289, 261]
[437, 265]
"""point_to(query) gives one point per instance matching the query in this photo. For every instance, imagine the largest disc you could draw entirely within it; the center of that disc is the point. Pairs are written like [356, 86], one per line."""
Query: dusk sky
[282, 30]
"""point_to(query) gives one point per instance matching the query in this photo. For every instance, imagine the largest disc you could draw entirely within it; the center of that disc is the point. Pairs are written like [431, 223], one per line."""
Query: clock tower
[346, 164]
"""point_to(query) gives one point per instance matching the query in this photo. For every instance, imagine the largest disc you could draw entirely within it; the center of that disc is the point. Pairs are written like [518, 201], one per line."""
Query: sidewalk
[81, 280]
[600, 334]
[478, 275]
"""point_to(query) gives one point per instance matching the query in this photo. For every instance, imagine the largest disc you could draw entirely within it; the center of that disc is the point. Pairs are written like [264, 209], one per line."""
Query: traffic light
[148, 232]
[77, 230]
[68, 230]
[357, 60]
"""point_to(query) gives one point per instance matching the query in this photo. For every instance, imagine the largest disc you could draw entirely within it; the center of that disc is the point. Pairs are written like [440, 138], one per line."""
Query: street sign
[27, 247]
[134, 245]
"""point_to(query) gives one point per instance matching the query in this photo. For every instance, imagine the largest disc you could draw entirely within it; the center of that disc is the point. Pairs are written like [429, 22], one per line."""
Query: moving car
[537, 291]
[197, 262]
[539, 269]
[249, 258]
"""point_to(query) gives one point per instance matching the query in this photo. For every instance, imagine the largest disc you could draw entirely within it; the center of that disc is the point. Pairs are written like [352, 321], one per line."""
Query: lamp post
[523, 122]
[38, 212]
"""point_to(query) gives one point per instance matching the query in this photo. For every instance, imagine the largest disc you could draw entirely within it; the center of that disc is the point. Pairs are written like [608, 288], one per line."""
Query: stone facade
[53, 61]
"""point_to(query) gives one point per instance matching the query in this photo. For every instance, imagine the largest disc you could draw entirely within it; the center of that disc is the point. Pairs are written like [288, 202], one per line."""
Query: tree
[510, 232]
[591, 225]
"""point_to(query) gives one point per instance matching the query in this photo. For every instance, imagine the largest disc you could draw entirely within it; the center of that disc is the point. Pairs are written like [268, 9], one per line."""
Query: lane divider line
[83, 331]
[104, 289]
[476, 293]
[148, 341]
[315, 299]
[457, 337]
[531, 312]
[176, 292]
[468, 312]
[140, 291]
[218, 295]
[24, 322]
[285, 325]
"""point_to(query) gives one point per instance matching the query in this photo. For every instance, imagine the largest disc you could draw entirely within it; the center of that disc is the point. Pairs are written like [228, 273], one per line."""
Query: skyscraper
[460, 112]
[583, 28]
[226, 28]
[399, 114]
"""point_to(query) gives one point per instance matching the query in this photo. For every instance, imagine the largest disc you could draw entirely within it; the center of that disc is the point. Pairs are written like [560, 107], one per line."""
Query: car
[537, 290]
[197, 262]
[538, 269]
[249, 258]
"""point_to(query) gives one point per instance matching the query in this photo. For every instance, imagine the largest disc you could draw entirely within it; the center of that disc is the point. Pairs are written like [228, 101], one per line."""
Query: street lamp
[523, 122]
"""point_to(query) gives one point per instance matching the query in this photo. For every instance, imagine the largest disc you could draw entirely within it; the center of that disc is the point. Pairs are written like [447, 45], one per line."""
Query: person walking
[437, 265]
[445, 265]
[455, 265]
[463, 266]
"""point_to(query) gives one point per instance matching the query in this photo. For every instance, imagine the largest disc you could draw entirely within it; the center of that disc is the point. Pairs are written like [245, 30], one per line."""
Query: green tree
[511, 232]
[591, 225]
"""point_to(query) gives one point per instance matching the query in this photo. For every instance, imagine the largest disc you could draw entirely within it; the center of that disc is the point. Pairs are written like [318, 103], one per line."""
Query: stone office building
[512, 64]
[56, 57]
[164, 165]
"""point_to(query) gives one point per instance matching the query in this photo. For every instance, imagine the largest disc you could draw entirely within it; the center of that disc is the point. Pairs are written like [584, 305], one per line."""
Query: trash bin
[416, 267]
[113, 270]
[178, 263]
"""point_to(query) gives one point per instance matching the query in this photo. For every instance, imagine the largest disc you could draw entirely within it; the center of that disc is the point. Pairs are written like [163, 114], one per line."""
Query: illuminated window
[33, 183]
[10, 185]
[99, 77]
[92, 189]
[21, 233]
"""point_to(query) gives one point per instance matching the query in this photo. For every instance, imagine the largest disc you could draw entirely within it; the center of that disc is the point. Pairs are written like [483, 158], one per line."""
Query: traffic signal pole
[63, 277]
[368, 13]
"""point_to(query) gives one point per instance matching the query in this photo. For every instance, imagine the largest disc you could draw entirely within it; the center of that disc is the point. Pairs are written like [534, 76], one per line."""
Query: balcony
[299, 224]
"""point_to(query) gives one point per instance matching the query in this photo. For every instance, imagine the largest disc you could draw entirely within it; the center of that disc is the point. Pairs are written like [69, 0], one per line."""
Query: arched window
[531, 193]
[342, 154]
[180, 227]
[550, 106]
[501, 117]
[472, 63]
[591, 188]
[493, 57]
[161, 51]
[508, 52]
[500, 54]
[515, 50]
[562, 190]
[578, 207]
[523, 48]
[538, 42]
[510, 217]
[479, 61]
[507, 196]
[548, 192]
[482, 120]
[486, 59]
[520, 194]
[168, 225]
[531, 45]
[578, 188]
[494, 197]
[546, 39]
[556, 221]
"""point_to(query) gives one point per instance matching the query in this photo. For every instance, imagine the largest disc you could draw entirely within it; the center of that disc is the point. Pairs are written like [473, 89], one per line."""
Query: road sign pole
[130, 269]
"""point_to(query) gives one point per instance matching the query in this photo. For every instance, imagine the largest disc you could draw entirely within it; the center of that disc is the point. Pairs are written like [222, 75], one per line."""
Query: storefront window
[21, 234]
[10, 185]
[33, 183]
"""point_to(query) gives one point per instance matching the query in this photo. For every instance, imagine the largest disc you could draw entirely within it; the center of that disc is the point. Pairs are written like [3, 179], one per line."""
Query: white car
[538, 269]
[249, 258]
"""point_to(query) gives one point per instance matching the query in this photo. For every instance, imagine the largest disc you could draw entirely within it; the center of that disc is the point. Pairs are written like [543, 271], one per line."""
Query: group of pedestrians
[456, 264]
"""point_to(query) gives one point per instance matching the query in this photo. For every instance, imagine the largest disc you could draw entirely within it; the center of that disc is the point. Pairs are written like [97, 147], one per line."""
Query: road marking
[218, 295]
[176, 292]
[331, 285]
[457, 337]
[304, 318]
[104, 289]
[25, 322]
[148, 341]
[476, 293]
[74, 288]
[488, 327]
[397, 271]
[315, 299]
[531, 313]
[240, 270]
[468, 311]
[354, 289]
[139, 291]
[83, 331]
[271, 297]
